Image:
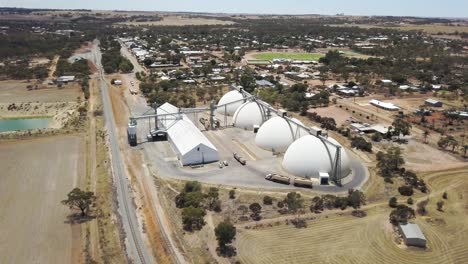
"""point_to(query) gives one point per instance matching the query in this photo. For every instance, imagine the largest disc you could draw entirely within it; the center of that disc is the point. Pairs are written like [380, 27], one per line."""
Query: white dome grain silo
[249, 115]
[226, 105]
[278, 133]
[309, 156]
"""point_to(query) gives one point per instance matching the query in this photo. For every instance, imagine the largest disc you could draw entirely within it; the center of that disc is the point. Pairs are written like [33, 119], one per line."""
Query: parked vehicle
[240, 159]
[157, 135]
[302, 182]
[278, 178]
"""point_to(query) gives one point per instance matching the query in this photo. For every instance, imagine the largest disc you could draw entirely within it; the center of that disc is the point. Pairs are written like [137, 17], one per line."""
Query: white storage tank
[249, 115]
[230, 97]
[309, 156]
[278, 133]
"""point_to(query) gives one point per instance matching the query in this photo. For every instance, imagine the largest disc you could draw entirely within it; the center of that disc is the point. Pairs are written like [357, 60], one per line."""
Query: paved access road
[136, 249]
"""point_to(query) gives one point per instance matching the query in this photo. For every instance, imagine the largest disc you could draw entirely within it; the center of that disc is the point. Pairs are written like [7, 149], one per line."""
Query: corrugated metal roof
[264, 83]
[432, 101]
[411, 230]
[383, 104]
[183, 133]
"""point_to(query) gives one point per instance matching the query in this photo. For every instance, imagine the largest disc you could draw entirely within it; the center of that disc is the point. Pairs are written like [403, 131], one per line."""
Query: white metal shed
[412, 235]
[191, 146]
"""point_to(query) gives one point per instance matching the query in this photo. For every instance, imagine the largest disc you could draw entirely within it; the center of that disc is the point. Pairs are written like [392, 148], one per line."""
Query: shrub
[232, 194]
[280, 204]
[192, 218]
[440, 205]
[406, 190]
[361, 144]
[256, 208]
[393, 203]
[421, 207]
[225, 233]
[217, 206]
[358, 213]
[410, 201]
[401, 214]
[355, 198]
[376, 137]
[317, 204]
[299, 223]
[267, 200]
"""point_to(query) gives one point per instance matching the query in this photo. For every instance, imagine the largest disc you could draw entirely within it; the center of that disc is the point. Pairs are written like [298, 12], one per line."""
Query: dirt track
[36, 176]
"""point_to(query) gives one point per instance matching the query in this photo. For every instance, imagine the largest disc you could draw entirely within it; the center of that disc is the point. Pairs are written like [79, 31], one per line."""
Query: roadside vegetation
[112, 60]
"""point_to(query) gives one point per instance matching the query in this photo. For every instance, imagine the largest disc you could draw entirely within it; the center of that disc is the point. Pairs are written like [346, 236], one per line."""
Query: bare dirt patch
[340, 115]
[36, 176]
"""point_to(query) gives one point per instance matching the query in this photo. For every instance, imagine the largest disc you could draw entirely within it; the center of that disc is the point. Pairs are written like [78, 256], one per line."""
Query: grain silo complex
[260, 131]
[189, 143]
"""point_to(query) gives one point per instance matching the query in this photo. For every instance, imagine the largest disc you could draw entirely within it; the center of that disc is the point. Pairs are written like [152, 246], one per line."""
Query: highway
[135, 247]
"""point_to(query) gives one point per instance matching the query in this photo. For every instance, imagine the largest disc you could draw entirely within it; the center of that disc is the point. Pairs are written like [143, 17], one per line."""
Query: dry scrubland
[36, 176]
[346, 239]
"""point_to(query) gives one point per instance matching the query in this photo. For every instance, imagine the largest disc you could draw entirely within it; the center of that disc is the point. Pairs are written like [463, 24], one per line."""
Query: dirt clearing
[36, 176]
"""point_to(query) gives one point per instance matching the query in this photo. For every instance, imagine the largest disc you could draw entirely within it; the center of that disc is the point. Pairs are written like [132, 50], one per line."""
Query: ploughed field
[35, 176]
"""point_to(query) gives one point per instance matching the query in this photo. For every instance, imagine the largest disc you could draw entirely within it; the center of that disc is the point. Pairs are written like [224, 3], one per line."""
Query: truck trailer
[278, 178]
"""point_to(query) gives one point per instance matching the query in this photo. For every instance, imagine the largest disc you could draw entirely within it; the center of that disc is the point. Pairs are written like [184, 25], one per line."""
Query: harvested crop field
[288, 55]
[16, 91]
[36, 175]
[347, 239]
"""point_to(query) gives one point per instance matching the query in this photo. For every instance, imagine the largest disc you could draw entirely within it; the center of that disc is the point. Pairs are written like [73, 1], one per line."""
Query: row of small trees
[450, 141]
[354, 199]
[402, 213]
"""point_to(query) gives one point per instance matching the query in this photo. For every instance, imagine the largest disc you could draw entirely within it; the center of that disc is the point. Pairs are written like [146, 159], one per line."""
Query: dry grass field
[181, 21]
[36, 175]
[428, 28]
[341, 238]
[16, 91]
